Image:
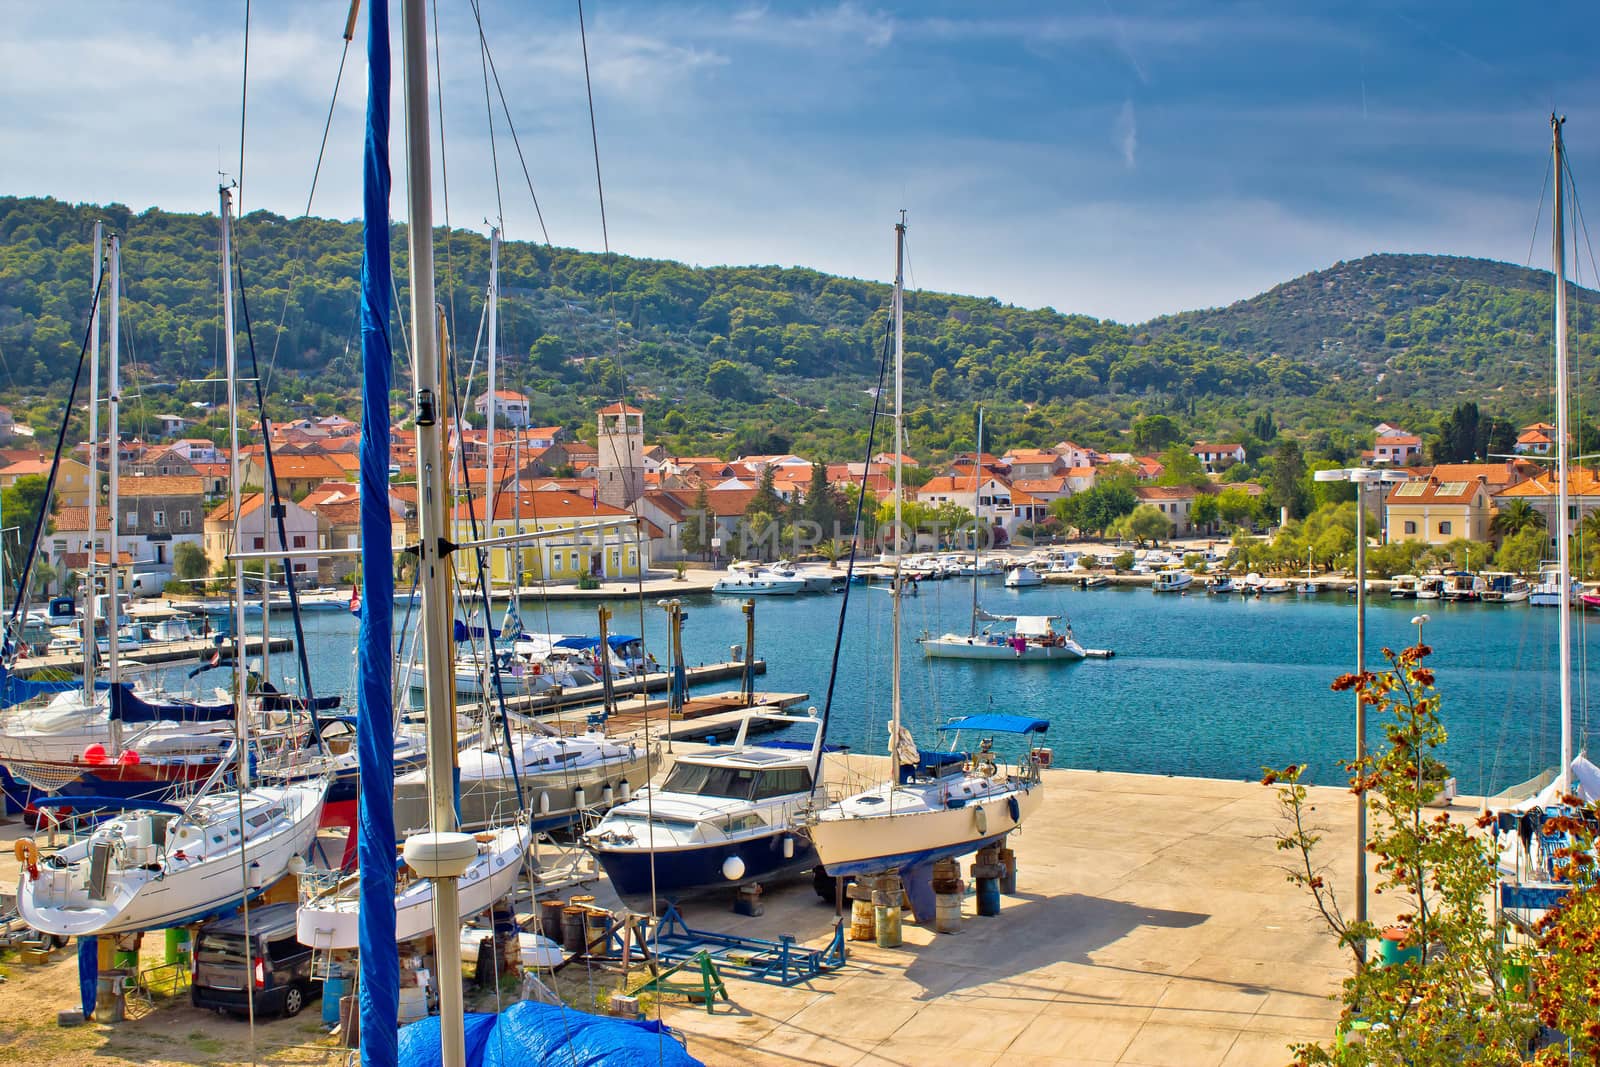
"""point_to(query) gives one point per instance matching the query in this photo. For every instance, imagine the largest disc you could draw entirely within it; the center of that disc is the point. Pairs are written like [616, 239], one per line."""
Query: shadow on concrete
[1031, 935]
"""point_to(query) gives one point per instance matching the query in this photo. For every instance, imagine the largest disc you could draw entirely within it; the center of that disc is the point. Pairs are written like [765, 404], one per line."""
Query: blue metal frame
[780, 962]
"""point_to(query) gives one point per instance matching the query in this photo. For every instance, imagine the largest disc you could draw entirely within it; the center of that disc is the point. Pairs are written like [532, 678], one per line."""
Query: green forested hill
[763, 358]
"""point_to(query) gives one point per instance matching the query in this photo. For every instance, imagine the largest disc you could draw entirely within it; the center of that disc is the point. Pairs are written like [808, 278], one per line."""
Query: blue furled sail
[380, 961]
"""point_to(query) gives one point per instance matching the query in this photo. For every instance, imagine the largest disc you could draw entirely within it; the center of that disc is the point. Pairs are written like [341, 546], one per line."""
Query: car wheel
[293, 1001]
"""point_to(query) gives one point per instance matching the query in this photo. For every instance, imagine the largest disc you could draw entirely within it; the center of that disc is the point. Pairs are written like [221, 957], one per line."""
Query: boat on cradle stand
[329, 916]
[164, 866]
[723, 817]
[561, 778]
[944, 805]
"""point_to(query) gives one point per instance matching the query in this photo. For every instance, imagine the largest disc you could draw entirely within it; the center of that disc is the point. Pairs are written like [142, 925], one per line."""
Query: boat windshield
[698, 779]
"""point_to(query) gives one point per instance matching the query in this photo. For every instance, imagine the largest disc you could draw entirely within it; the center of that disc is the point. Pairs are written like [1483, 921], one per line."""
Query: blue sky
[1117, 159]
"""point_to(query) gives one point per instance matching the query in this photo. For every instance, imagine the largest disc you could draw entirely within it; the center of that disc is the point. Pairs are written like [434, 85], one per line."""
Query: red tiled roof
[161, 485]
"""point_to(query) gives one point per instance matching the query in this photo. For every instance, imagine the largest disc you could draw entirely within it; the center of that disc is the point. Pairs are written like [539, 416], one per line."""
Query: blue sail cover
[128, 706]
[380, 960]
[530, 1034]
[584, 644]
[14, 690]
[996, 723]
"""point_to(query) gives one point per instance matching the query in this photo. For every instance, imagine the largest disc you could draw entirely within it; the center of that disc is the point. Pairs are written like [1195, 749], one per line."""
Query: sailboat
[930, 808]
[161, 865]
[1032, 639]
[1530, 857]
[101, 739]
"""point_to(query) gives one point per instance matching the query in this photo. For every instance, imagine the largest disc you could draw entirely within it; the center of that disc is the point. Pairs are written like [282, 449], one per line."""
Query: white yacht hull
[177, 891]
[956, 646]
[869, 844]
[333, 922]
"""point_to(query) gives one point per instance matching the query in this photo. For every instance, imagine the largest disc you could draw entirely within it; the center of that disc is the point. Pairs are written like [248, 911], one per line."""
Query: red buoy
[95, 754]
[129, 758]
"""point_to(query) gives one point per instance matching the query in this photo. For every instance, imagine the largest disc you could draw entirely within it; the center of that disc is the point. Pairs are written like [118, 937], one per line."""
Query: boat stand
[780, 962]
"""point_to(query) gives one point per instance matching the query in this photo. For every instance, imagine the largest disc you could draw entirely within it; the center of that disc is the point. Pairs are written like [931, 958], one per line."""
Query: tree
[1203, 513]
[692, 531]
[1147, 523]
[1179, 466]
[1235, 506]
[1516, 516]
[939, 385]
[22, 505]
[1152, 433]
[1094, 510]
[1522, 552]
[728, 381]
[823, 504]
[189, 562]
[1263, 427]
[1284, 487]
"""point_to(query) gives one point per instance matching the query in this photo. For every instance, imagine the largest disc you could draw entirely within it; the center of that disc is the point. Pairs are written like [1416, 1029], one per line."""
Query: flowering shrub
[1443, 1001]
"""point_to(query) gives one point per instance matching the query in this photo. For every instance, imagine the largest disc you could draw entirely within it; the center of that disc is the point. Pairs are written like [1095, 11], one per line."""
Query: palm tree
[1516, 516]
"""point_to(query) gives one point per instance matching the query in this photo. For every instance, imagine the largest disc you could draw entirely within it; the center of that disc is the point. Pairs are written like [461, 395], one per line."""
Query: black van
[275, 964]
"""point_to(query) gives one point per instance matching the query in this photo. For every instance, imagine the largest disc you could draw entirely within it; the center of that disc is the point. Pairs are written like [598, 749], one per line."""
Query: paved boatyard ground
[1151, 926]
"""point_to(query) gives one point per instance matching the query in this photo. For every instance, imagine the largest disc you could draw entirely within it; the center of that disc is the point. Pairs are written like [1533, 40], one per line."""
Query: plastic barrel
[332, 994]
[988, 897]
[947, 913]
[176, 947]
[1390, 951]
[887, 918]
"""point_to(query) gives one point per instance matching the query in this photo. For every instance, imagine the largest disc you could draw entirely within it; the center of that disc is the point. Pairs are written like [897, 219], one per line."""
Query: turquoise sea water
[1203, 686]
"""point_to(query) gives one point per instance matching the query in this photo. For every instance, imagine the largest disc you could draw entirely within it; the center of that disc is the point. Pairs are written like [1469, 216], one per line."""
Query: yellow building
[619, 549]
[1438, 512]
[72, 480]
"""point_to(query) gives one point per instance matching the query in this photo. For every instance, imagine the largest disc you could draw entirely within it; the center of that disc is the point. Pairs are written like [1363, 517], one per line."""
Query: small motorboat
[1430, 587]
[1174, 581]
[1502, 588]
[1023, 577]
[1273, 587]
[1221, 585]
[1404, 587]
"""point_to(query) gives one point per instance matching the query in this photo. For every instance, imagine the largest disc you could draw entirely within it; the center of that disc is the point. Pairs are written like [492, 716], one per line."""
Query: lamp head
[1418, 620]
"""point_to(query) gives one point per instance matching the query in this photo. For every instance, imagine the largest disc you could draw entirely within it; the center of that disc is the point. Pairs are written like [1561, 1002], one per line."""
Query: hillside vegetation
[768, 359]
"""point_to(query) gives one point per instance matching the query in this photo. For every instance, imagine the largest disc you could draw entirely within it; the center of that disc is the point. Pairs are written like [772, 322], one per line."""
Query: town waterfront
[1200, 686]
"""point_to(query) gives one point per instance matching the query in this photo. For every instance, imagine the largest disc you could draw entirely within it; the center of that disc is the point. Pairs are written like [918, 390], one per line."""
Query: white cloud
[1125, 134]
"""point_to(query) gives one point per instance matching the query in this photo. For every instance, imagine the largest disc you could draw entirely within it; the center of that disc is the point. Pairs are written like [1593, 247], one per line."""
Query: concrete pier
[1151, 926]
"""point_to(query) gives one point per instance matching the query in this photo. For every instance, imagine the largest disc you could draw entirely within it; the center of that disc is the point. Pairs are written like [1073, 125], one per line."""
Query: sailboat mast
[94, 469]
[494, 318]
[240, 686]
[899, 490]
[113, 434]
[978, 534]
[431, 563]
[1563, 545]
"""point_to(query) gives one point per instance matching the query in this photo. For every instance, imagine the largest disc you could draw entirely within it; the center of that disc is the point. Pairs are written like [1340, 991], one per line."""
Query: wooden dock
[572, 698]
[167, 652]
[711, 717]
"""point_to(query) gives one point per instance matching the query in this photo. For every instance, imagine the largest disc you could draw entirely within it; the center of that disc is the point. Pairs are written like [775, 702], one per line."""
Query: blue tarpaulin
[380, 960]
[531, 1034]
[994, 723]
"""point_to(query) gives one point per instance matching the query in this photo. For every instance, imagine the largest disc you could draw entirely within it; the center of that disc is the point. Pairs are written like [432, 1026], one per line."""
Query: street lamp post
[1361, 477]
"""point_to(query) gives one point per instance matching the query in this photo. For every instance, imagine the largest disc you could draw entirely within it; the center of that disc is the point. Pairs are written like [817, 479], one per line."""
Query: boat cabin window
[739, 824]
[735, 783]
[783, 783]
